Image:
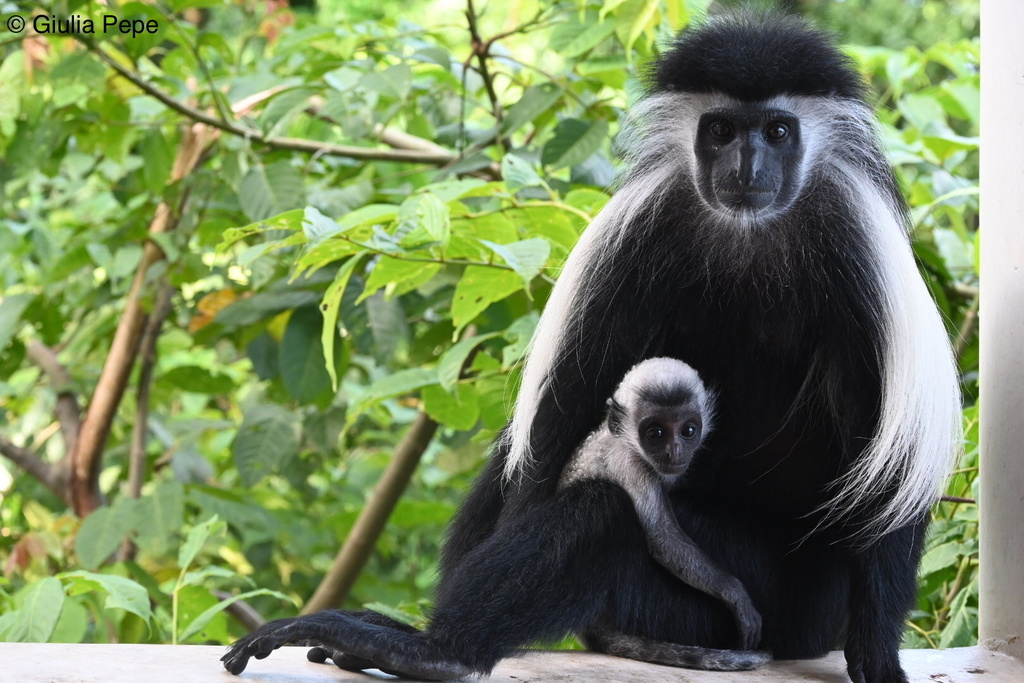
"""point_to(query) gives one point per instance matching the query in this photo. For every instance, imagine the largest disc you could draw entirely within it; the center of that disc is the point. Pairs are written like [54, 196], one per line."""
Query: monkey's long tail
[671, 654]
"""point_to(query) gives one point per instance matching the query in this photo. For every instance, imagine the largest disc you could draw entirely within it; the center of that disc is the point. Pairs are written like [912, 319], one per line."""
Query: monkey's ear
[616, 417]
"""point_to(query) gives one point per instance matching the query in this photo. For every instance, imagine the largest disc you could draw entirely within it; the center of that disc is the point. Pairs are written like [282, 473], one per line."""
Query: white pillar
[1002, 327]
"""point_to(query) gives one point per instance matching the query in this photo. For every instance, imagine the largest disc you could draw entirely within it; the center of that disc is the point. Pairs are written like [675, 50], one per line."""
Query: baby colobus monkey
[657, 419]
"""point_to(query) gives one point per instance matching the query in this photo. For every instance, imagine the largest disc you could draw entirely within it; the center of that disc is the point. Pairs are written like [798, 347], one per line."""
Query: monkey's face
[668, 439]
[748, 160]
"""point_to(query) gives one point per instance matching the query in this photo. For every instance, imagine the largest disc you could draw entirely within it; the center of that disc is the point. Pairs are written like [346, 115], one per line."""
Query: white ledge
[58, 663]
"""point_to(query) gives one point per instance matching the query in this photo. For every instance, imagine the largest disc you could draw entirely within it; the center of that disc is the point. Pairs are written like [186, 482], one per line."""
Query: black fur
[787, 331]
[738, 57]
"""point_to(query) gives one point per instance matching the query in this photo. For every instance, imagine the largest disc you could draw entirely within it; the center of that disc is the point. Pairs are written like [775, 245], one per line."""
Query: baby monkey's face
[668, 437]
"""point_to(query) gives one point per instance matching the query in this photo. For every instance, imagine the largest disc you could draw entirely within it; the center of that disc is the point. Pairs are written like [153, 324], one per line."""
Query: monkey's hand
[748, 619]
[261, 642]
[352, 643]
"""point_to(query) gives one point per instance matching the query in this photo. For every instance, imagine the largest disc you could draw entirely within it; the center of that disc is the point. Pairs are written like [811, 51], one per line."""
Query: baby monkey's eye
[655, 432]
[689, 431]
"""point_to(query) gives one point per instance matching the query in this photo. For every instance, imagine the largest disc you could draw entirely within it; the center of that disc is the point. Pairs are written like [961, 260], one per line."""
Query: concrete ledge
[55, 663]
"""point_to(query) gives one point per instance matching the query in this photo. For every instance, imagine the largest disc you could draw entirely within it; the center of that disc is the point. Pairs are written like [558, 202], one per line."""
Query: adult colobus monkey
[759, 235]
[657, 418]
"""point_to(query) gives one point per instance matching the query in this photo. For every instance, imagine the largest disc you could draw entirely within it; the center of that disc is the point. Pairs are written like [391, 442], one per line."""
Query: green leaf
[519, 335]
[587, 200]
[962, 628]
[940, 557]
[158, 153]
[317, 226]
[526, 257]
[398, 275]
[160, 515]
[423, 220]
[199, 380]
[102, 532]
[265, 443]
[122, 593]
[478, 288]
[391, 386]
[270, 190]
[518, 173]
[282, 108]
[11, 308]
[200, 622]
[921, 111]
[263, 306]
[289, 220]
[573, 142]
[459, 413]
[303, 369]
[12, 81]
[330, 308]
[38, 610]
[535, 101]
[449, 367]
[575, 37]
[197, 536]
[395, 81]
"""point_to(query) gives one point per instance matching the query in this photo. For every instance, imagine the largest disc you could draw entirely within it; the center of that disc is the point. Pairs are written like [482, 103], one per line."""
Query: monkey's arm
[674, 550]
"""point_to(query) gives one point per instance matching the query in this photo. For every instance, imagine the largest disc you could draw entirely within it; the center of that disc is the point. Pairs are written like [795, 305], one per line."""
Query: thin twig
[147, 356]
[49, 475]
[67, 410]
[257, 136]
[481, 50]
[966, 331]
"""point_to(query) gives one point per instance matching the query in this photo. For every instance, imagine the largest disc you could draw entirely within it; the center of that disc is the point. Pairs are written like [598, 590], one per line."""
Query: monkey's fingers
[260, 643]
[748, 620]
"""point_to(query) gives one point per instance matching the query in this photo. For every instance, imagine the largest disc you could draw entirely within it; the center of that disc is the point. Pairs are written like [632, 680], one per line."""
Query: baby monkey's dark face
[669, 437]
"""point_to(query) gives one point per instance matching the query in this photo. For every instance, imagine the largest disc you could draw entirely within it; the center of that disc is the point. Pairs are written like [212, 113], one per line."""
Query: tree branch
[147, 354]
[87, 456]
[283, 143]
[67, 410]
[481, 50]
[359, 543]
[51, 476]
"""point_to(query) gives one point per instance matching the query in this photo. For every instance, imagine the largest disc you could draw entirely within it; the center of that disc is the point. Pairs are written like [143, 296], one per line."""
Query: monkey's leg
[540, 575]
[671, 654]
[406, 654]
[543, 574]
[883, 586]
[477, 516]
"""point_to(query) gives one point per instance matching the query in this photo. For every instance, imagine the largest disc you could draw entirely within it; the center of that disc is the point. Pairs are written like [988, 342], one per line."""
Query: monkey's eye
[654, 432]
[721, 129]
[689, 431]
[776, 131]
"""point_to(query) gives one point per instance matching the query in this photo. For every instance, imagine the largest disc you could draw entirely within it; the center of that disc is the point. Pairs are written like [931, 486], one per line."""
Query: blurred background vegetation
[266, 276]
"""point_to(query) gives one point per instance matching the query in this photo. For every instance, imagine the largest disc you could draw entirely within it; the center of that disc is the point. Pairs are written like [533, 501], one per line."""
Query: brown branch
[359, 543]
[87, 455]
[67, 410]
[282, 143]
[147, 354]
[51, 476]
[481, 50]
[957, 499]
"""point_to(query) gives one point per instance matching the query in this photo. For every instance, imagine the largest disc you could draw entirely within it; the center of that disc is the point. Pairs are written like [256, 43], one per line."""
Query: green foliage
[373, 235]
